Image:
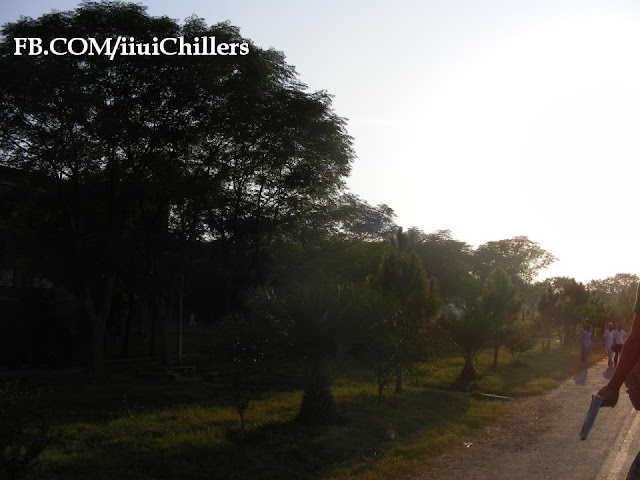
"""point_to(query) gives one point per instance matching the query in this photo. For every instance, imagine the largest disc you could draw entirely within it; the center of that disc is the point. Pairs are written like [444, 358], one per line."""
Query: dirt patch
[516, 431]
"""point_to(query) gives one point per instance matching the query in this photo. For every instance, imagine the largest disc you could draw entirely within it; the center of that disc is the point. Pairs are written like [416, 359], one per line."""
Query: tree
[449, 261]
[344, 242]
[521, 337]
[308, 323]
[520, 257]
[549, 314]
[243, 345]
[379, 316]
[146, 152]
[573, 304]
[470, 331]
[402, 276]
[319, 334]
[501, 304]
[598, 311]
[618, 294]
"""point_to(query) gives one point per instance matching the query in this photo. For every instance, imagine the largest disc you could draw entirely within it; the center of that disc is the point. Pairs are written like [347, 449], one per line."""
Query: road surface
[539, 439]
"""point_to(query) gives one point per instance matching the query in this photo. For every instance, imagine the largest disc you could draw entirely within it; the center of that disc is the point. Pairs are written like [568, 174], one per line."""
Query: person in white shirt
[607, 339]
[618, 339]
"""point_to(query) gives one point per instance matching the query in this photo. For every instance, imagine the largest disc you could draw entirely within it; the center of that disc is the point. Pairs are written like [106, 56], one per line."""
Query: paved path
[539, 438]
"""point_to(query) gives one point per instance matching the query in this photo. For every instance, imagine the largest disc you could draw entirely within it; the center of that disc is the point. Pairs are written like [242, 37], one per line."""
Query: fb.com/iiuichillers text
[113, 46]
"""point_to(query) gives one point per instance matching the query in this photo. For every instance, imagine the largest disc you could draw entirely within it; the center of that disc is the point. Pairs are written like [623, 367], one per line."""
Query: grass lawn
[122, 428]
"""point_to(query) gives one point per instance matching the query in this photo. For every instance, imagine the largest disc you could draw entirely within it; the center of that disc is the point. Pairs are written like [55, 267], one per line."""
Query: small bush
[521, 339]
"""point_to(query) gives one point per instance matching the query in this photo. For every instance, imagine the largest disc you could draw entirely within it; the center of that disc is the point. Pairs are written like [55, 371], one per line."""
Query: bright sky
[488, 118]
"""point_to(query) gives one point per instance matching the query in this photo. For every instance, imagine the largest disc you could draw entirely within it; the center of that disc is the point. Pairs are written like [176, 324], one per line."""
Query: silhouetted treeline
[140, 191]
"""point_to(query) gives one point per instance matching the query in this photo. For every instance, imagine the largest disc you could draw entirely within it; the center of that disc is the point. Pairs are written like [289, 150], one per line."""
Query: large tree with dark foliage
[573, 305]
[618, 293]
[448, 260]
[150, 154]
[549, 315]
[520, 257]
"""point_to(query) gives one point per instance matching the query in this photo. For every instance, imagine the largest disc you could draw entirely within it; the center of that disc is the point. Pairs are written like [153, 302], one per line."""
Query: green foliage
[242, 346]
[521, 338]
[573, 305]
[549, 315]
[564, 304]
[401, 276]
[449, 261]
[488, 317]
[470, 331]
[520, 257]
[598, 310]
[383, 333]
[156, 164]
[320, 336]
[24, 432]
[617, 294]
[308, 323]
[501, 304]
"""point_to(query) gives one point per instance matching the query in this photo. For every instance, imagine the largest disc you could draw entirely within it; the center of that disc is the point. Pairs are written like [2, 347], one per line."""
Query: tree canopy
[520, 257]
[147, 151]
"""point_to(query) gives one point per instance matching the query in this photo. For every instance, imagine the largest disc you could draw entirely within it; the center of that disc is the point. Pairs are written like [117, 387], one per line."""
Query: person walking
[607, 340]
[585, 343]
[618, 340]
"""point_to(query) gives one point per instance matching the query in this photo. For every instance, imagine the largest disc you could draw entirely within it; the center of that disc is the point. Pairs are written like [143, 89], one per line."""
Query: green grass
[370, 440]
[125, 429]
[532, 373]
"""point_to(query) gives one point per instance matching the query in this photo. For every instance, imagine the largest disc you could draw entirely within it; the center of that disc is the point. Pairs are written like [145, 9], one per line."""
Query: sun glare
[539, 134]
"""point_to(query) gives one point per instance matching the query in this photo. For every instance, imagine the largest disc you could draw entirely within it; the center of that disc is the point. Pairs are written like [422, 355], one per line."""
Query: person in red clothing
[629, 356]
[627, 372]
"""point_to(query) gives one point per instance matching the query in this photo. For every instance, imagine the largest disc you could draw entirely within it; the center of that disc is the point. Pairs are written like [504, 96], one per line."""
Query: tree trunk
[317, 401]
[96, 362]
[153, 335]
[142, 313]
[164, 314]
[383, 378]
[398, 380]
[124, 352]
[160, 331]
[468, 372]
[98, 321]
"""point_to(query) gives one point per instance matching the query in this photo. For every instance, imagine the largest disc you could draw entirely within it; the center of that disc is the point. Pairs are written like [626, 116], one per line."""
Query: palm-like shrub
[310, 324]
[470, 331]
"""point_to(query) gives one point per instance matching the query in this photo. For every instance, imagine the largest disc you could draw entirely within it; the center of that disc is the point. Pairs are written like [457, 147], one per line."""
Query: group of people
[612, 339]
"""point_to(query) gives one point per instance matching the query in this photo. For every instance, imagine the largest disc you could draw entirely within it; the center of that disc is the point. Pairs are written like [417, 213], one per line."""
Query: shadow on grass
[285, 449]
[77, 398]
